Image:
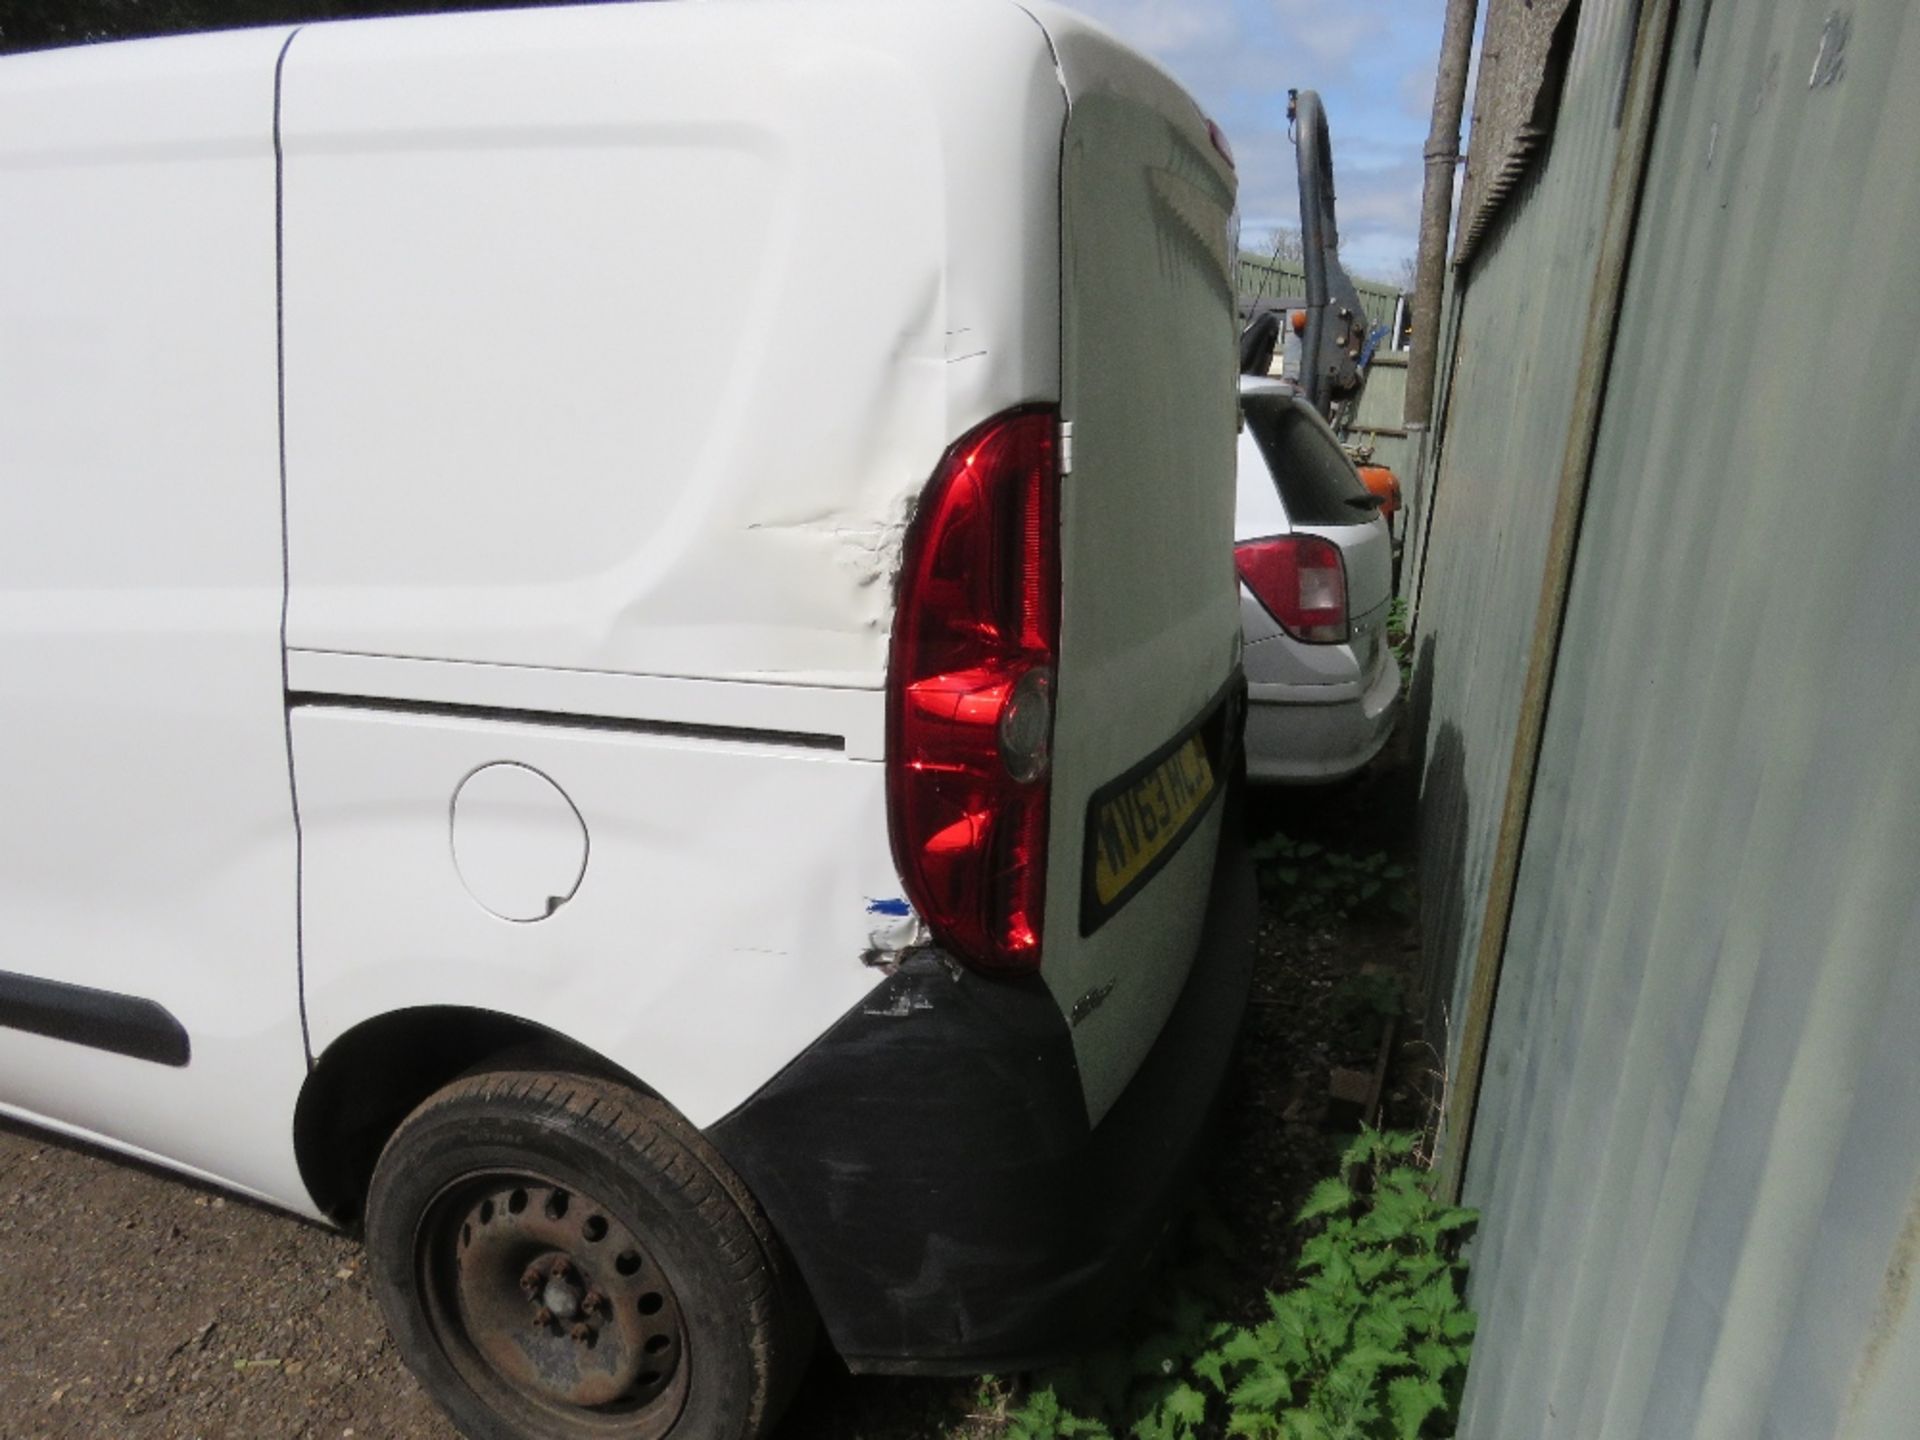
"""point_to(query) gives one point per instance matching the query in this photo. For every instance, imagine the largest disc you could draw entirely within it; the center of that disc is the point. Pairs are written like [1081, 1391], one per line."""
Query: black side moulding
[98, 1019]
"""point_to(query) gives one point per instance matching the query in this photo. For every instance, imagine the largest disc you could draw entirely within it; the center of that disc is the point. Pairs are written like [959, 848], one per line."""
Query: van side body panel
[722, 922]
[148, 846]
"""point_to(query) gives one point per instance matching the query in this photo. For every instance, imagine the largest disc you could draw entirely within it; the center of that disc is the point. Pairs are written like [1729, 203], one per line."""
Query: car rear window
[1316, 481]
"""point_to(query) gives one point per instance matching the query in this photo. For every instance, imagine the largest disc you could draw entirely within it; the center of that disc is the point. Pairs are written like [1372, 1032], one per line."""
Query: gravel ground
[142, 1306]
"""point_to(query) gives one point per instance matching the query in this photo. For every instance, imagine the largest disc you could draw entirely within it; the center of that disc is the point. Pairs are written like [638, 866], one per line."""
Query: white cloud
[1331, 35]
[1372, 62]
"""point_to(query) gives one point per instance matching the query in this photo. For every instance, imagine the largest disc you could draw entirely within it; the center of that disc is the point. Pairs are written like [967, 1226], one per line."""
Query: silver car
[1316, 579]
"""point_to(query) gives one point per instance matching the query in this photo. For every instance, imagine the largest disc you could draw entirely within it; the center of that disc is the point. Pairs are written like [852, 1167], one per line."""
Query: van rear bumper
[929, 1164]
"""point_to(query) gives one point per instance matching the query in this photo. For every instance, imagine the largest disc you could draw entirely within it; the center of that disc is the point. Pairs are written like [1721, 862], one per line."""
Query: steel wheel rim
[544, 1301]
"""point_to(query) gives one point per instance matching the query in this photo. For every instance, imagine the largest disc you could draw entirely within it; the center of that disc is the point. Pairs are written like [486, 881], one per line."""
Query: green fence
[1261, 276]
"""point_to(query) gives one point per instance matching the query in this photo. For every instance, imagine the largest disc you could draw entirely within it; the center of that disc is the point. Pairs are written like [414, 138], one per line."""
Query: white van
[618, 667]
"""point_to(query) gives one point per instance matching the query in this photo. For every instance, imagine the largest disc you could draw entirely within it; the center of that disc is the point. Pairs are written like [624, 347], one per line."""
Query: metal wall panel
[1520, 317]
[1378, 419]
[1698, 1139]
[1419, 488]
[1383, 403]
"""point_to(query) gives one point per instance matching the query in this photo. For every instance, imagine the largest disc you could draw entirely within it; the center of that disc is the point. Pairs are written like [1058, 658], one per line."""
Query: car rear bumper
[1312, 734]
[929, 1164]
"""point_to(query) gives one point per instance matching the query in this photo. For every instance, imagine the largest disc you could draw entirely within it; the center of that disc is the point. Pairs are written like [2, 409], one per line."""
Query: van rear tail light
[970, 692]
[1219, 139]
[1302, 580]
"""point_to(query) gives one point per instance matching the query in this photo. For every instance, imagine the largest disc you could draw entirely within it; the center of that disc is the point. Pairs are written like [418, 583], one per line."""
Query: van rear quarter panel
[718, 927]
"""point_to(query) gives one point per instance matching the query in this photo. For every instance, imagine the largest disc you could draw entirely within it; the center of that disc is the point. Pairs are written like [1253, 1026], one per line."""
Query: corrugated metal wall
[1697, 1143]
[1520, 316]
[1419, 486]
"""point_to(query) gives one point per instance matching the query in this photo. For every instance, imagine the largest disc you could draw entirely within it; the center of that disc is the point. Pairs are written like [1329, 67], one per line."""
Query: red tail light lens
[1219, 139]
[1302, 580]
[970, 692]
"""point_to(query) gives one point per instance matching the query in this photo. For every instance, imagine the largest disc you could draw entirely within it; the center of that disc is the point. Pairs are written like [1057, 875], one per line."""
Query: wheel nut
[581, 1330]
[542, 1318]
[560, 1269]
[530, 1282]
[593, 1304]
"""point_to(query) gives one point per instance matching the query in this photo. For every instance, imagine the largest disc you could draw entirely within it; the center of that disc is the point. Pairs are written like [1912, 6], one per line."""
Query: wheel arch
[374, 1075]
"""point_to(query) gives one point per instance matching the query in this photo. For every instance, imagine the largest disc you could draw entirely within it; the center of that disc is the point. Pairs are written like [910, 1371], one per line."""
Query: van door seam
[286, 563]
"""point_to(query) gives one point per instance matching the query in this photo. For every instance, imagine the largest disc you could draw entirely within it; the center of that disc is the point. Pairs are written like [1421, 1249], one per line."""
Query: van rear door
[1149, 636]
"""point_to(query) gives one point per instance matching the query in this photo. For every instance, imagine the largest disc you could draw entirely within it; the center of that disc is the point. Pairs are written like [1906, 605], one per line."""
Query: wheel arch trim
[373, 1075]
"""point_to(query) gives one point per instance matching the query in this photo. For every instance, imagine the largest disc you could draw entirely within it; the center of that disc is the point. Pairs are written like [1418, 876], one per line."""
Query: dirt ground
[138, 1305]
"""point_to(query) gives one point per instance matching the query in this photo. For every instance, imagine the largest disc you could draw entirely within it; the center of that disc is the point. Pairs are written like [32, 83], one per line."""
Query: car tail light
[970, 692]
[1302, 581]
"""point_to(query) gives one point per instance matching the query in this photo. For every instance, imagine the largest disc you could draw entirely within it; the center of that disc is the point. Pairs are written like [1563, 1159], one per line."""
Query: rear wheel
[561, 1257]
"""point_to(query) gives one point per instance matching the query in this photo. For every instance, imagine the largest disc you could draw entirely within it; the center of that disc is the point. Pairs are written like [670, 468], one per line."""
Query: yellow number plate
[1136, 826]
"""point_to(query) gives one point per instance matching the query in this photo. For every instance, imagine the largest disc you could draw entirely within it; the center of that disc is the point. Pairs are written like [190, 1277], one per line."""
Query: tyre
[560, 1257]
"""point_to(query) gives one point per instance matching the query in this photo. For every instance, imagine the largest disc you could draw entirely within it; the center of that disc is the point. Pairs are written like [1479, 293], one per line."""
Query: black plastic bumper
[929, 1163]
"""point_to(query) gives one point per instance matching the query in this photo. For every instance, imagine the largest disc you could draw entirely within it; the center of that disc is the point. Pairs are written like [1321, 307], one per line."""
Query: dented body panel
[671, 313]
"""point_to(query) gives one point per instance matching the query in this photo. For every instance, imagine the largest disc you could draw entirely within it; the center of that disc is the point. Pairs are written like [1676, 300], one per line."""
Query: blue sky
[1372, 62]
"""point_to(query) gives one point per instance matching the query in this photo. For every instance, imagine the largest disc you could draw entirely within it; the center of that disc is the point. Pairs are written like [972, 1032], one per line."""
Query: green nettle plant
[1370, 1344]
[1321, 884]
[1400, 642]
